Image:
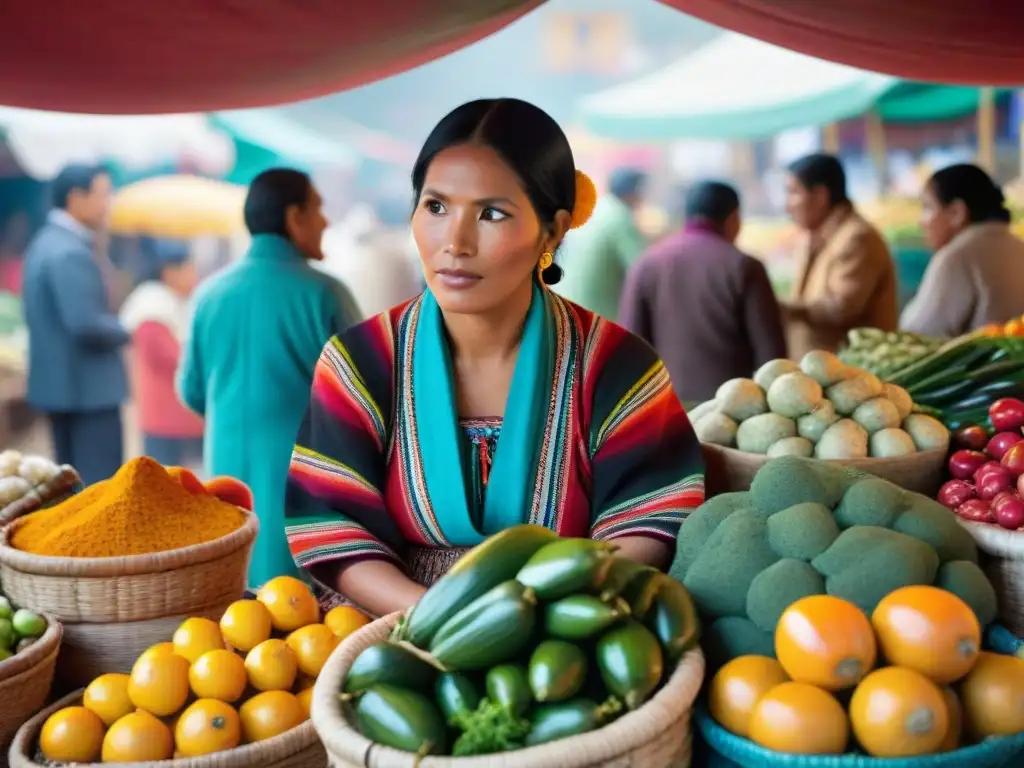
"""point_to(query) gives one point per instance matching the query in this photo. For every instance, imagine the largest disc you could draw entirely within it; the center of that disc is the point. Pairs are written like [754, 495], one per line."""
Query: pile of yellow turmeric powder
[140, 510]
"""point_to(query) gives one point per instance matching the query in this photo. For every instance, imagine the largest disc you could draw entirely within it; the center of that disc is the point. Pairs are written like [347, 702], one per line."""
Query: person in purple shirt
[704, 305]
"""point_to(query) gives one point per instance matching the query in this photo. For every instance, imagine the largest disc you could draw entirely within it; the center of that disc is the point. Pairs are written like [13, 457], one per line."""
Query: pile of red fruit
[988, 471]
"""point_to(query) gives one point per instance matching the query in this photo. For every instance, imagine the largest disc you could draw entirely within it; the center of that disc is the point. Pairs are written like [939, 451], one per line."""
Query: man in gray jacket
[76, 373]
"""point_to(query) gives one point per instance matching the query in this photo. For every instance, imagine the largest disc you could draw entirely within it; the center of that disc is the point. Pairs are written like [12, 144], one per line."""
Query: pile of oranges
[911, 680]
[213, 687]
[1014, 327]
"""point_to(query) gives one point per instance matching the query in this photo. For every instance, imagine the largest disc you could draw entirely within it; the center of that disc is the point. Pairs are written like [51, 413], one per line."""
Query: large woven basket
[25, 681]
[113, 608]
[297, 748]
[1005, 569]
[1004, 752]
[730, 470]
[655, 736]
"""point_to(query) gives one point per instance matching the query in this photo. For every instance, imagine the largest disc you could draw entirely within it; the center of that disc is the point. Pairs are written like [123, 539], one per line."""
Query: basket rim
[937, 456]
[131, 565]
[38, 653]
[995, 540]
[334, 728]
[713, 732]
[302, 736]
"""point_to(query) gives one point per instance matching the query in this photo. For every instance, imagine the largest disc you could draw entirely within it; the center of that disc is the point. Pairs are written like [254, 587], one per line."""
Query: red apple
[1007, 414]
[977, 510]
[1013, 459]
[1008, 511]
[1001, 443]
[986, 468]
[955, 492]
[963, 464]
[995, 483]
[973, 438]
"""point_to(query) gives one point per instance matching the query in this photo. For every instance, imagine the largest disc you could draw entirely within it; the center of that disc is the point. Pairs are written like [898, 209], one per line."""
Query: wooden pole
[874, 134]
[830, 138]
[987, 129]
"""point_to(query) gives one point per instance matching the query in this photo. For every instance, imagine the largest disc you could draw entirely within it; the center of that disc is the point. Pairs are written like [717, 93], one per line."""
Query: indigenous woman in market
[487, 401]
[976, 276]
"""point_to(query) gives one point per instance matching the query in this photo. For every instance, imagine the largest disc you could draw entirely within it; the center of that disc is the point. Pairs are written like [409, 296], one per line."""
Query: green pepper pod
[569, 718]
[567, 566]
[557, 670]
[578, 617]
[455, 694]
[507, 685]
[631, 662]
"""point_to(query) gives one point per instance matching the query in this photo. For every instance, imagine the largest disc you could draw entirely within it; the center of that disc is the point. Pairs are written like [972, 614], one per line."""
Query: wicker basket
[1005, 569]
[113, 608]
[65, 483]
[297, 748]
[992, 753]
[655, 736]
[25, 681]
[730, 470]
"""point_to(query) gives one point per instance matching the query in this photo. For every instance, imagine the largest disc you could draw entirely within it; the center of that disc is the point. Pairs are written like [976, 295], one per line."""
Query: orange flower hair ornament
[586, 199]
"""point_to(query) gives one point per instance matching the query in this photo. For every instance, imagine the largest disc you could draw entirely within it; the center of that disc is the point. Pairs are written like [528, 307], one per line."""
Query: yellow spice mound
[141, 510]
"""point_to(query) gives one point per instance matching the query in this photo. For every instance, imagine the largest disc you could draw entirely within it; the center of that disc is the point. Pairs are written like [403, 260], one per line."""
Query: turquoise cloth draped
[509, 493]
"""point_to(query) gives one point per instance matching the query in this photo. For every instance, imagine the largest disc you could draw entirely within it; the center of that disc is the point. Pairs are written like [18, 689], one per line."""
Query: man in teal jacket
[256, 334]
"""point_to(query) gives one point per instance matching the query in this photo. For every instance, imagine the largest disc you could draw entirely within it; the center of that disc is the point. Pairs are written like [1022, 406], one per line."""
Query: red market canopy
[126, 56]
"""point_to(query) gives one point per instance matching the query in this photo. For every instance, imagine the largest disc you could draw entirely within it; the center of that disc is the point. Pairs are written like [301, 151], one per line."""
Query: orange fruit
[929, 630]
[897, 712]
[207, 726]
[195, 637]
[272, 666]
[270, 713]
[992, 696]
[825, 641]
[136, 738]
[738, 686]
[1014, 328]
[800, 719]
[312, 645]
[954, 730]
[290, 602]
[159, 684]
[305, 697]
[245, 624]
[107, 696]
[72, 735]
[188, 479]
[231, 491]
[218, 674]
[158, 649]
[344, 620]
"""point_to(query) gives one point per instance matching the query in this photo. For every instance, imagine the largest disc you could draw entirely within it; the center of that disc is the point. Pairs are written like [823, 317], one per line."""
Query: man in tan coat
[844, 277]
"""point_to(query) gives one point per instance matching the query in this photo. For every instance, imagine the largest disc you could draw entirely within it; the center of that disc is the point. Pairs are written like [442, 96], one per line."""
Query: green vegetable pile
[18, 628]
[811, 528]
[883, 353]
[529, 638]
[960, 380]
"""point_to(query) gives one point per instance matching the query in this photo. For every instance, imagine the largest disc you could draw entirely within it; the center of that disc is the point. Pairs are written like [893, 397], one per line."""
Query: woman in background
[156, 315]
[976, 276]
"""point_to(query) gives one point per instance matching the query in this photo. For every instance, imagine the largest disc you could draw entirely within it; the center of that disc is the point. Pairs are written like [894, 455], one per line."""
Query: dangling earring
[546, 260]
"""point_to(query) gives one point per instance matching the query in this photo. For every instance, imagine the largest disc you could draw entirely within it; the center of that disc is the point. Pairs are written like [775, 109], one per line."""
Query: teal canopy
[736, 87]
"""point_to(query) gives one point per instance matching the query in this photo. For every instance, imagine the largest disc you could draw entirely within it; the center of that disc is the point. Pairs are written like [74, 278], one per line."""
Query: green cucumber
[481, 569]
[673, 618]
[507, 685]
[455, 694]
[567, 566]
[631, 662]
[620, 573]
[557, 671]
[569, 718]
[389, 663]
[578, 617]
[946, 356]
[491, 630]
[401, 719]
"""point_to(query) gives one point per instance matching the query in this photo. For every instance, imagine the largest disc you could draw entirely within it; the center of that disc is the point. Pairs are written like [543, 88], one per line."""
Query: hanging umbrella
[178, 207]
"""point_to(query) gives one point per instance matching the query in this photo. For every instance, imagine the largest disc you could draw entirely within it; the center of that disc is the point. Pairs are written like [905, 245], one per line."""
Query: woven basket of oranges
[907, 687]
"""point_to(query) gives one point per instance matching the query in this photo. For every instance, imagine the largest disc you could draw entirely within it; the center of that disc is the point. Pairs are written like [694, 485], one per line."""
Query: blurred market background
[634, 83]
